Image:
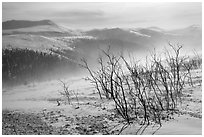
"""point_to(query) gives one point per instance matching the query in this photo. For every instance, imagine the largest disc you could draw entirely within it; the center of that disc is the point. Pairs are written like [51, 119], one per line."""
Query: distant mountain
[45, 34]
[43, 27]
[132, 39]
[147, 38]
[191, 30]
[16, 24]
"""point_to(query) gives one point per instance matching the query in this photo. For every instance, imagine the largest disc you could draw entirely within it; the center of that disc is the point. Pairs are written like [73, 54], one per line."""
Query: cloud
[79, 15]
[82, 13]
[90, 15]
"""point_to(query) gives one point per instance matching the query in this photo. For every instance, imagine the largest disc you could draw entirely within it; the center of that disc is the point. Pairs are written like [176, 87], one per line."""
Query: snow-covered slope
[35, 42]
[139, 34]
[36, 27]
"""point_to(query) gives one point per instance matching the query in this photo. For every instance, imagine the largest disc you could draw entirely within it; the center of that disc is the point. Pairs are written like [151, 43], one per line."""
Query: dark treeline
[20, 66]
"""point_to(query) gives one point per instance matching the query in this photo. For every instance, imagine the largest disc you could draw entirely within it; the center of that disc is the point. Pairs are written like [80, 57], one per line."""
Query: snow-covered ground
[139, 34]
[42, 98]
[40, 42]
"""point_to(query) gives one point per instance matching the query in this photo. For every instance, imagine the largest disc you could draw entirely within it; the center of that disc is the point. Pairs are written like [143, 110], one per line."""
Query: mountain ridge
[16, 24]
[87, 42]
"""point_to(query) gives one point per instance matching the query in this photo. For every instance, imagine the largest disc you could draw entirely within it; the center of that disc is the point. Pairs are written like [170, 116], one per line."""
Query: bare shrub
[76, 94]
[141, 92]
[143, 103]
[188, 66]
[130, 101]
[93, 79]
[110, 81]
[66, 91]
[196, 61]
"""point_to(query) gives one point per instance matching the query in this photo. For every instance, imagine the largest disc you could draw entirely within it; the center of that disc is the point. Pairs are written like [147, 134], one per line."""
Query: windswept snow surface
[139, 34]
[42, 98]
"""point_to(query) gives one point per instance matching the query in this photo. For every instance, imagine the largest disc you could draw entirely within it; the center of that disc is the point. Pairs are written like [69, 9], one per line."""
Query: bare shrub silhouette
[66, 91]
[69, 94]
[111, 81]
[143, 93]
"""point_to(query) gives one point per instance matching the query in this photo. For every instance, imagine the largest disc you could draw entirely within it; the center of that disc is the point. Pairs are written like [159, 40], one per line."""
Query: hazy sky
[101, 15]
